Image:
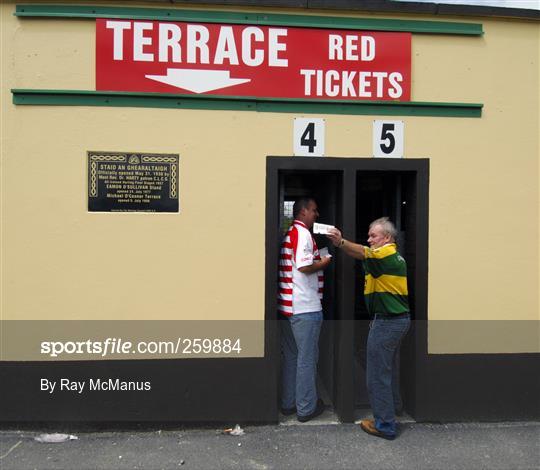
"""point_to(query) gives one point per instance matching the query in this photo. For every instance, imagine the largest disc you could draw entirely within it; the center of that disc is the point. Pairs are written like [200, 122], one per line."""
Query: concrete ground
[289, 445]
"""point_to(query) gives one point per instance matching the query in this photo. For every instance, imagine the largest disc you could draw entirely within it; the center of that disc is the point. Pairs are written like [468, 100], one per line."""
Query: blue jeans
[300, 349]
[384, 341]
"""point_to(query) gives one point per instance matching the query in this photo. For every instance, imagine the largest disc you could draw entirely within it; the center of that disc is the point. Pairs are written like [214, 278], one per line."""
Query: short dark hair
[300, 204]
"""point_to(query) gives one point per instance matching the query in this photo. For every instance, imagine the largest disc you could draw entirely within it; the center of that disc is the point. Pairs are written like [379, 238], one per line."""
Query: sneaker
[319, 409]
[288, 411]
[368, 425]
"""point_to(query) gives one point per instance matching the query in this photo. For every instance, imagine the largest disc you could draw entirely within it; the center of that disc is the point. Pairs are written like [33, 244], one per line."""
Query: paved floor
[320, 445]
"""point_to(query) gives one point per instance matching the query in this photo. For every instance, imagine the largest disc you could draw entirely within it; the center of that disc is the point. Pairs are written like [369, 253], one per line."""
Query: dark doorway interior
[325, 188]
[351, 192]
[380, 194]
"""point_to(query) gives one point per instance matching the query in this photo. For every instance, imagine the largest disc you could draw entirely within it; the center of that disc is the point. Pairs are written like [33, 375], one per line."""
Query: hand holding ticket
[321, 228]
[323, 253]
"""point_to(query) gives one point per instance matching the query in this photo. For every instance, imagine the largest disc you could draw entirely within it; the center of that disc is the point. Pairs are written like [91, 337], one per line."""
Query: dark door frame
[344, 342]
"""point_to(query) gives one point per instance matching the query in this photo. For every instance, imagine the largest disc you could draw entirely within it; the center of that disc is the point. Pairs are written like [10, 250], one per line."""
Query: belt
[390, 316]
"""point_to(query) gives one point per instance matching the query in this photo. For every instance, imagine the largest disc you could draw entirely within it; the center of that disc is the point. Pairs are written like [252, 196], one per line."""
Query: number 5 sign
[308, 137]
[388, 139]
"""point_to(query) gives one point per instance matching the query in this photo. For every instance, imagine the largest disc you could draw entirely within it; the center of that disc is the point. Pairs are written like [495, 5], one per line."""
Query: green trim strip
[307, 21]
[240, 103]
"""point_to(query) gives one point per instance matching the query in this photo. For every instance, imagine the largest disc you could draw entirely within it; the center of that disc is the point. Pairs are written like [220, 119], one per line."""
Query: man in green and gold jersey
[386, 296]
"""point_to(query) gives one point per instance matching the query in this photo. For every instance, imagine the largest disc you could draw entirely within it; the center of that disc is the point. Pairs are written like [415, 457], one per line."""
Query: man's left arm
[305, 261]
[318, 265]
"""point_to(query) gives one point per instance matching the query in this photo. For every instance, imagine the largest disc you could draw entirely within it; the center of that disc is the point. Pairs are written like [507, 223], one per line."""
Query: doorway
[351, 192]
[323, 186]
[380, 194]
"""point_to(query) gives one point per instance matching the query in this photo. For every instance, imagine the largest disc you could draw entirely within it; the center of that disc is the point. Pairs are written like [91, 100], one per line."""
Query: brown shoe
[368, 425]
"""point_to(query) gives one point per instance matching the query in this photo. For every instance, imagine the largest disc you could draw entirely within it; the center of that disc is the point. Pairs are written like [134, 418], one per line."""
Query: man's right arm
[352, 249]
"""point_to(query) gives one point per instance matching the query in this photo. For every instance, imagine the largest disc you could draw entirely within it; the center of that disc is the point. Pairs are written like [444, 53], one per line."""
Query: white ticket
[321, 228]
[323, 252]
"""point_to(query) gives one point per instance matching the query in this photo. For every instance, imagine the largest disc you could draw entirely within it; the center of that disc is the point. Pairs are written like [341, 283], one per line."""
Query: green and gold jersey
[385, 288]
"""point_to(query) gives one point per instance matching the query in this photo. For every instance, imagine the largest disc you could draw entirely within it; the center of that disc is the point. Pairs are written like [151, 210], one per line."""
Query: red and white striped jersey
[299, 292]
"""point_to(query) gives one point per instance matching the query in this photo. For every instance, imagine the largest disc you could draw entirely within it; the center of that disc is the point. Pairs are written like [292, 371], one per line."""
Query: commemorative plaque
[132, 182]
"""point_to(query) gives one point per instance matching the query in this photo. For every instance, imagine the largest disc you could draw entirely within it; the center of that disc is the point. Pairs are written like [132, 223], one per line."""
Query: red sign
[257, 61]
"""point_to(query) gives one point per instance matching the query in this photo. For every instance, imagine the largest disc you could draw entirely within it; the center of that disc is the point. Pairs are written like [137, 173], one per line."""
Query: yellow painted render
[207, 262]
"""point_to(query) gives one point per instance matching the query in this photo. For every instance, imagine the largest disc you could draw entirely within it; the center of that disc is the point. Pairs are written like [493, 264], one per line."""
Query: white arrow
[198, 81]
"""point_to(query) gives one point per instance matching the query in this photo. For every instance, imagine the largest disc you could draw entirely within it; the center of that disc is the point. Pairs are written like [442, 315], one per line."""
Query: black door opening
[324, 187]
[380, 194]
[351, 192]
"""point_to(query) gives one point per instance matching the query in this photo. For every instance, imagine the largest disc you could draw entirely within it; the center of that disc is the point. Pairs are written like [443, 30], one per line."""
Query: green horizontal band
[307, 21]
[240, 103]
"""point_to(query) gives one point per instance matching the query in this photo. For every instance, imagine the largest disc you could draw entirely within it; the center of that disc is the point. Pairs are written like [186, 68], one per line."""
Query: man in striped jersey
[300, 294]
[386, 296]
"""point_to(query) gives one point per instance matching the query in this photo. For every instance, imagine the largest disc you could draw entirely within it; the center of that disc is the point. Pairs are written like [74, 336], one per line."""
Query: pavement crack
[13, 447]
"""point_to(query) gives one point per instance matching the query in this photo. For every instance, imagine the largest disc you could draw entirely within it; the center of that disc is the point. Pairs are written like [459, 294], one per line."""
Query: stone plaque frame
[133, 182]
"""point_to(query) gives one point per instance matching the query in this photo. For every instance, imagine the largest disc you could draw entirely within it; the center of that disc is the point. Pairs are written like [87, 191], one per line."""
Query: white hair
[388, 227]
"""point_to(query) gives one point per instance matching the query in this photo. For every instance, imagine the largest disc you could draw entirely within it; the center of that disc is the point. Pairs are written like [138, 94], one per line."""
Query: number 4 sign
[388, 139]
[308, 137]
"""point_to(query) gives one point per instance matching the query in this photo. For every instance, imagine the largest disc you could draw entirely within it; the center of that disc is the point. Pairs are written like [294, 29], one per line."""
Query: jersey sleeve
[304, 249]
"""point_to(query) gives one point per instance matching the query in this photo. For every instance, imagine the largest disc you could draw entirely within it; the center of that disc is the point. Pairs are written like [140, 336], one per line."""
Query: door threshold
[330, 417]
[326, 418]
[365, 413]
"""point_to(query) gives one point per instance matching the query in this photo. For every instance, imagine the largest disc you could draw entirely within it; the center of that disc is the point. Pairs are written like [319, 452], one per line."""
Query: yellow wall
[207, 262]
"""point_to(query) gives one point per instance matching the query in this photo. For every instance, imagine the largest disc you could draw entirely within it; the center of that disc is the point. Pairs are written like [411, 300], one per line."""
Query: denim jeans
[300, 349]
[384, 341]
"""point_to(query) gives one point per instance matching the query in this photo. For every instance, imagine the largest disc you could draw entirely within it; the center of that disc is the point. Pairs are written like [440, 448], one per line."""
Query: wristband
[341, 243]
